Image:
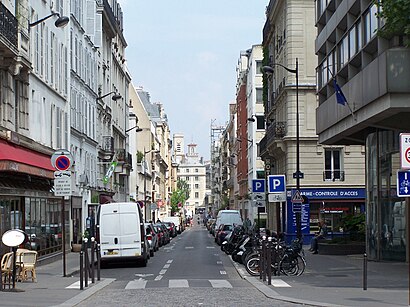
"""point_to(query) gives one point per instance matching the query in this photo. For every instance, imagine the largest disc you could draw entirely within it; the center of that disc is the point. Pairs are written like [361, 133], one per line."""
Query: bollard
[98, 262]
[263, 258]
[365, 271]
[269, 260]
[81, 269]
[86, 262]
[92, 260]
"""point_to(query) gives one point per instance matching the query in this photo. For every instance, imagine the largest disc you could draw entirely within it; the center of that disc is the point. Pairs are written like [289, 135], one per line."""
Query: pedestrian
[321, 235]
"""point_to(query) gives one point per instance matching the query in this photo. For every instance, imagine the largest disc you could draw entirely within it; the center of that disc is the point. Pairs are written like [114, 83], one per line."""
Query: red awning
[15, 153]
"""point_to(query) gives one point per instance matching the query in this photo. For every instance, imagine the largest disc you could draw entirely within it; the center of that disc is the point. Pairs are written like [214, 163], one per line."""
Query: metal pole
[298, 214]
[269, 260]
[365, 271]
[92, 260]
[145, 188]
[86, 262]
[63, 235]
[264, 258]
[14, 249]
[98, 262]
[82, 267]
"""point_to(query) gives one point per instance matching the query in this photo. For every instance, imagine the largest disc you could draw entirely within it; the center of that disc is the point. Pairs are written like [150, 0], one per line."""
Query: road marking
[162, 272]
[170, 261]
[76, 285]
[219, 262]
[178, 283]
[143, 275]
[166, 266]
[220, 283]
[159, 277]
[222, 272]
[189, 247]
[136, 284]
[210, 247]
[279, 283]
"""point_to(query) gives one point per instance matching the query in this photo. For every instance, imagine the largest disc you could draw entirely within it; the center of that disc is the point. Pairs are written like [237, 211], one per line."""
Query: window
[187, 178]
[196, 194]
[258, 67]
[196, 186]
[260, 122]
[259, 95]
[333, 165]
[196, 170]
[352, 42]
[187, 170]
[343, 52]
[196, 178]
[370, 23]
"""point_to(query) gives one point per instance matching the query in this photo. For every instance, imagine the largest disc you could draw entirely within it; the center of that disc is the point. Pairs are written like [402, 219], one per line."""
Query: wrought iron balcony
[8, 25]
[276, 130]
[334, 175]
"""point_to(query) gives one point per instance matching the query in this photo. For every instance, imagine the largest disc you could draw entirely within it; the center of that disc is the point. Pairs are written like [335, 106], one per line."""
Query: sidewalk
[51, 287]
[338, 281]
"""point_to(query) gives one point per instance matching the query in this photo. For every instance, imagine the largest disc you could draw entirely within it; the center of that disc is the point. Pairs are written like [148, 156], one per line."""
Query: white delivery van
[176, 220]
[121, 233]
[228, 217]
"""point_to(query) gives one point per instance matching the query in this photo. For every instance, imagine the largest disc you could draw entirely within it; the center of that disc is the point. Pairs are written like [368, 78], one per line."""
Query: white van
[121, 233]
[228, 217]
[176, 220]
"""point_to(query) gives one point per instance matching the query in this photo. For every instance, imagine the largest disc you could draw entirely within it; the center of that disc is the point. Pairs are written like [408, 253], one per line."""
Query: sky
[185, 53]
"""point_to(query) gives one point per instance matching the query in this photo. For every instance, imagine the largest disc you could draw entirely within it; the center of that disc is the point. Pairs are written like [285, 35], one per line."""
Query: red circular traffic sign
[407, 155]
[62, 163]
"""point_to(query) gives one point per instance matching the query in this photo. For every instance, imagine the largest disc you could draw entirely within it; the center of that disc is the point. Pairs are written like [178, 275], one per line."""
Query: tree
[179, 196]
[396, 15]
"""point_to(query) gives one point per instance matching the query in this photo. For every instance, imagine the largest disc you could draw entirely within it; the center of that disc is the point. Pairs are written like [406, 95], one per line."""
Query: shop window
[333, 165]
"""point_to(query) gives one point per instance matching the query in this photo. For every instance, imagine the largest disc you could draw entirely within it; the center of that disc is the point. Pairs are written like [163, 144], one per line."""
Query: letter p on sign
[277, 184]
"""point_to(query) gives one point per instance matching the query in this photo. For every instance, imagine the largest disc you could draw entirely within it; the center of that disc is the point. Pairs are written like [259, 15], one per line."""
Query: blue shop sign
[344, 193]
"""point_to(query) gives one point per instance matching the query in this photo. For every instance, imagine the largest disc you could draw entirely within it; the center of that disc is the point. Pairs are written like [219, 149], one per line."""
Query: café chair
[28, 261]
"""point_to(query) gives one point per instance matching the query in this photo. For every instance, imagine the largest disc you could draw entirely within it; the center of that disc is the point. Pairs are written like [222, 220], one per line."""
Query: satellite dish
[13, 238]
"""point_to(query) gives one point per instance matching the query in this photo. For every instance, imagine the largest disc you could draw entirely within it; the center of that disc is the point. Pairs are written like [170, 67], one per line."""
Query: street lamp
[61, 21]
[298, 174]
[114, 97]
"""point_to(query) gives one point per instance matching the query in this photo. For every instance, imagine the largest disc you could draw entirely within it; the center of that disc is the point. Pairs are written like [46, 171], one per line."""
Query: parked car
[223, 231]
[165, 238]
[171, 228]
[152, 238]
[209, 223]
[177, 220]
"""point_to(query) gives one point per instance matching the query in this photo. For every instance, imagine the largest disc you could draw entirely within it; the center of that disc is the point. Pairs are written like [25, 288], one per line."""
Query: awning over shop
[15, 158]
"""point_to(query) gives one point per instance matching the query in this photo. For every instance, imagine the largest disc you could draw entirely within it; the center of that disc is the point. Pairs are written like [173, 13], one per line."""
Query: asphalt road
[190, 271]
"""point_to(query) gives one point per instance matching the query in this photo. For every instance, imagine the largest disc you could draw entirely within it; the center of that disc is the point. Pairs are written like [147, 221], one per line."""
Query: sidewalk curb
[86, 293]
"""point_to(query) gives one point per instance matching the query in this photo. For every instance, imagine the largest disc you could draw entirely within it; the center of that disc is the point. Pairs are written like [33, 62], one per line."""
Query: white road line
[219, 262]
[159, 277]
[170, 261]
[210, 247]
[220, 283]
[162, 272]
[178, 283]
[166, 266]
[222, 272]
[279, 283]
[136, 284]
[189, 247]
[76, 285]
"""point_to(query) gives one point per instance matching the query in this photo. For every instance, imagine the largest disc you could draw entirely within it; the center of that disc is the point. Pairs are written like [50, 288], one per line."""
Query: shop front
[27, 201]
[330, 205]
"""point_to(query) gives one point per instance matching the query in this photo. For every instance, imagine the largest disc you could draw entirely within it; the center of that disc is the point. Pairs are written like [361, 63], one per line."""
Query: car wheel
[151, 253]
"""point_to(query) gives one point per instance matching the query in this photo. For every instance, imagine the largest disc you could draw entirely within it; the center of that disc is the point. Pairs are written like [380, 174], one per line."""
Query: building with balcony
[371, 71]
[331, 177]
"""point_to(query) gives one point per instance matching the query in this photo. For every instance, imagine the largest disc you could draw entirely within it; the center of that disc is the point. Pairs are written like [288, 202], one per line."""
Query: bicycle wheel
[288, 265]
[301, 264]
[252, 266]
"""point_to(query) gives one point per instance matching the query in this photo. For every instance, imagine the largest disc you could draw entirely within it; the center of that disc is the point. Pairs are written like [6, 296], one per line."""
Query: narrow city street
[190, 271]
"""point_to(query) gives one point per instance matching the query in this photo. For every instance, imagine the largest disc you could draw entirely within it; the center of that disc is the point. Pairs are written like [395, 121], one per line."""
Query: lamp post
[298, 174]
[61, 21]
[114, 97]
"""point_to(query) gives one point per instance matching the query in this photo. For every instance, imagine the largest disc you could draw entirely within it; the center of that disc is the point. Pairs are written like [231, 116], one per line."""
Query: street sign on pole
[277, 197]
[276, 184]
[297, 198]
[61, 160]
[403, 183]
[259, 196]
[258, 185]
[405, 150]
[62, 183]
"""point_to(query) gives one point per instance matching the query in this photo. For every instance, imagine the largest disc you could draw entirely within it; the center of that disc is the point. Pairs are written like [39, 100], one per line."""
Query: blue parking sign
[403, 183]
[276, 184]
[258, 185]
